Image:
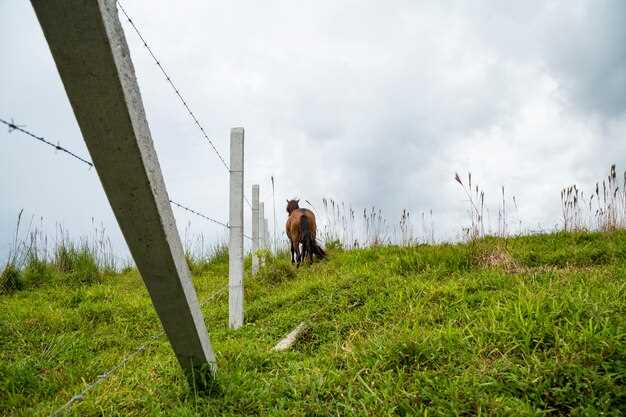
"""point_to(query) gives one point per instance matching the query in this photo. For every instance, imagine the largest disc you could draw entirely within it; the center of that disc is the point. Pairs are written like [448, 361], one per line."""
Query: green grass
[71, 264]
[530, 326]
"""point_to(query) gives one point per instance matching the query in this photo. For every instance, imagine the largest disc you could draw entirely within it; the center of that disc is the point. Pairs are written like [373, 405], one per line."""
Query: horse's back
[295, 219]
[309, 215]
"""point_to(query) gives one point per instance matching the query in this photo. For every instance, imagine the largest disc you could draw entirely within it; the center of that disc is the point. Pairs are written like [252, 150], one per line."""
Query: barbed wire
[176, 90]
[204, 216]
[102, 377]
[12, 126]
[171, 83]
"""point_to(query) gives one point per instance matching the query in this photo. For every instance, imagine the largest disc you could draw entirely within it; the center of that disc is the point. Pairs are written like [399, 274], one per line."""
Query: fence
[92, 57]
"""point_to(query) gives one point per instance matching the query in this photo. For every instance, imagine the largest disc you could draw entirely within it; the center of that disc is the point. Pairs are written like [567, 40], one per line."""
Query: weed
[78, 263]
[275, 270]
[201, 264]
[10, 279]
[334, 245]
[37, 272]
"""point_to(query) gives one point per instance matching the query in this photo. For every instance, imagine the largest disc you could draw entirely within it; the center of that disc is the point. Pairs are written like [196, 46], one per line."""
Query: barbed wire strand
[176, 90]
[12, 126]
[171, 83]
[102, 377]
[204, 216]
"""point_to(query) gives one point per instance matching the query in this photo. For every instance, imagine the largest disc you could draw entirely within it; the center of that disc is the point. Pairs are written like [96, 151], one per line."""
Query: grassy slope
[393, 331]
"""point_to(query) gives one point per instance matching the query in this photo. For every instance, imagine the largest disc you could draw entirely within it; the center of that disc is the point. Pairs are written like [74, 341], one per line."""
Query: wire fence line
[130, 356]
[171, 83]
[13, 126]
[176, 90]
[102, 377]
[204, 216]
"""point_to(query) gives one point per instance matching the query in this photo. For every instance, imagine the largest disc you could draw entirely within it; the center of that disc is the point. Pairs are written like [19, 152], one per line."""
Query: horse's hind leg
[306, 251]
[292, 253]
[298, 254]
[310, 253]
[302, 252]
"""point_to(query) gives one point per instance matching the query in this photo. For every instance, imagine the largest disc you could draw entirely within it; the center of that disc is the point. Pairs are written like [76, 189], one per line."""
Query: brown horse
[301, 229]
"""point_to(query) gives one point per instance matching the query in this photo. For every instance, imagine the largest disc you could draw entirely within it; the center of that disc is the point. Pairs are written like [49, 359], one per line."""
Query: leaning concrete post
[262, 242]
[88, 46]
[235, 247]
[255, 228]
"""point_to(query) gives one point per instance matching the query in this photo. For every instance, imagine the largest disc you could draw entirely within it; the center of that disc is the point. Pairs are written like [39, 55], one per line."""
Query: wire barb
[171, 83]
[12, 126]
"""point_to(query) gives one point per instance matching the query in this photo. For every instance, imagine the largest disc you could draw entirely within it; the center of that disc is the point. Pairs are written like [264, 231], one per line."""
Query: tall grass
[604, 209]
[476, 200]
[480, 225]
[10, 278]
[201, 253]
[406, 228]
[34, 259]
[342, 224]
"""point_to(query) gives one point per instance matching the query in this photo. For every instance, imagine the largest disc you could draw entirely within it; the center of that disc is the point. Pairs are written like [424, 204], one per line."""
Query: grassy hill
[528, 326]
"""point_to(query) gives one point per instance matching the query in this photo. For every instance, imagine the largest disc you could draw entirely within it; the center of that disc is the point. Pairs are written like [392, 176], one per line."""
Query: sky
[370, 103]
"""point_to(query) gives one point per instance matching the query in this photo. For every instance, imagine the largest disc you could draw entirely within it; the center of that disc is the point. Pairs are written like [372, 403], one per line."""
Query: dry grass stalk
[604, 211]
[476, 199]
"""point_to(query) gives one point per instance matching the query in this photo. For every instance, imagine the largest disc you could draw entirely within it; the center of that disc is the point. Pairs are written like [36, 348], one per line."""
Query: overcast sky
[371, 103]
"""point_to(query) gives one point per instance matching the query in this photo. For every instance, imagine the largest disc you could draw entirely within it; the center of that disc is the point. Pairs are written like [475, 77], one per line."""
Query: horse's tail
[308, 244]
[319, 252]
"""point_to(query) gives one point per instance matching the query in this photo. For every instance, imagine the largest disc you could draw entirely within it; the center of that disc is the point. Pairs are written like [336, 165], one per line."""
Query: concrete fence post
[235, 247]
[255, 228]
[262, 242]
[90, 52]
